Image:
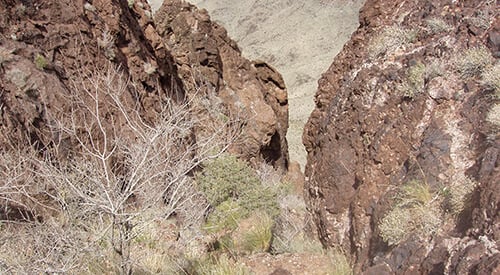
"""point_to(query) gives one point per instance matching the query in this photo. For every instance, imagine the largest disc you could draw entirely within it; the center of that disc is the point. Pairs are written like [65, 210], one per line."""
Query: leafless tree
[110, 164]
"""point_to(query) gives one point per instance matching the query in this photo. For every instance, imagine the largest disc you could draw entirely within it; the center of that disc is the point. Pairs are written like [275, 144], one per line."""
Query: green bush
[227, 178]
[226, 215]
[415, 80]
[40, 62]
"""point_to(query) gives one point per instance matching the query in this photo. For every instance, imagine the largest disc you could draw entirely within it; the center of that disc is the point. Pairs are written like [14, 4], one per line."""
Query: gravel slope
[298, 37]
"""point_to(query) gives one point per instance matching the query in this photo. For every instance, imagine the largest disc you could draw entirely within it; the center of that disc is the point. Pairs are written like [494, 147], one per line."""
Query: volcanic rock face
[299, 38]
[211, 63]
[396, 107]
[46, 45]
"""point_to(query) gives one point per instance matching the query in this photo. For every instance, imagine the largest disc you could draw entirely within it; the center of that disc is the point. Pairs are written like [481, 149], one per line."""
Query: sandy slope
[298, 37]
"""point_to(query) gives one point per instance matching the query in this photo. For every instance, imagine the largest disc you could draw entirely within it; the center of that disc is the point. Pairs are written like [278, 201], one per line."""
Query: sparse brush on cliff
[457, 196]
[437, 25]
[472, 62]
[390, 39]
[493, 116]
[413, 214]
[491, 78]
[419, 212]
[415, 80]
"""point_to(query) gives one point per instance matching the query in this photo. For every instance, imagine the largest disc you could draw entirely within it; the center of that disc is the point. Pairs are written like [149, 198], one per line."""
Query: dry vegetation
[390, 39]
[473, 61]
[121, 175]
[419, 212]
[118, 192]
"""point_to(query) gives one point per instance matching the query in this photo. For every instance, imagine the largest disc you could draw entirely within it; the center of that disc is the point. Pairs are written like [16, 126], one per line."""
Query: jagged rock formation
[394, 107]
[211, 63]
[299, 38]
[45, 45]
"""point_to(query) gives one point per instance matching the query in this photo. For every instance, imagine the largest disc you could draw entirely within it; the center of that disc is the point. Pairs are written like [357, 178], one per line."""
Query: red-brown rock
[366, 137]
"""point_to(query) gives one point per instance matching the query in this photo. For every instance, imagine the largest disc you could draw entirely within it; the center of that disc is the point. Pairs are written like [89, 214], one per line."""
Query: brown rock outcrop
[46, 45]
[210, 63]
[380, 123]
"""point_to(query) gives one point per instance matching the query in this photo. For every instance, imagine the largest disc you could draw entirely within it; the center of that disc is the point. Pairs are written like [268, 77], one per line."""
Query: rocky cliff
[403, 145]
[265, 30]
[46, 47]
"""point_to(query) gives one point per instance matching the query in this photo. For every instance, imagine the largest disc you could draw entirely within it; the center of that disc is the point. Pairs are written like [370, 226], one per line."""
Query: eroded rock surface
[299, 38]
[210, 63]
[46, 46]
[379, 124]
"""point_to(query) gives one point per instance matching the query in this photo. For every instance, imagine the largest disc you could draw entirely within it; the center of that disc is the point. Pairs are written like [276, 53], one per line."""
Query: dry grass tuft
[390, 39]
[414, 213]
[437, 25]
[472, 62]
[494, 115]
[491, 78]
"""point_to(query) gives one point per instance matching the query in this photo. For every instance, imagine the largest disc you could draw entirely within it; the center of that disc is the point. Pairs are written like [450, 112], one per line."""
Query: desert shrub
[491, 78]
[289, 233]
[481, 19]
[40, 62]
[390, 39]
[395, 225]
[219, 266]
[225, 177]
[255, 235]
[473, 61]
[298, 243]
[243, 207]
[107, 43]
[259, 198]
[437, 25]
[225, 216]
[414, 193]
[457, 195]
[415, 80]
[340, 262]
[228, 181]
[493, 116]
[413, 213]
[434, 69]
[124, 174]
